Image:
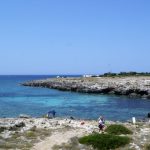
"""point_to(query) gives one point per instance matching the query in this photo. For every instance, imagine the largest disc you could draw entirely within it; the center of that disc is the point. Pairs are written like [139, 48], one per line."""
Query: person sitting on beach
[101, 123]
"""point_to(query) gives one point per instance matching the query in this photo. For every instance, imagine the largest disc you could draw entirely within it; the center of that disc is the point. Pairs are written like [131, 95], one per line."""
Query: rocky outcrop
[129, 86]
[54, 132]
[11, 126]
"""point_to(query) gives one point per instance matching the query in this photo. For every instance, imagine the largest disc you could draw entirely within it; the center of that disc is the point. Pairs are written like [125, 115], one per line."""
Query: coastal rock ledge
[129, 86]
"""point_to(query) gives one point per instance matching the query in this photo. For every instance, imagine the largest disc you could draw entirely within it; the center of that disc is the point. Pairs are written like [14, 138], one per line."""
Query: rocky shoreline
[60, 133]
[128, 86]
[42, 133]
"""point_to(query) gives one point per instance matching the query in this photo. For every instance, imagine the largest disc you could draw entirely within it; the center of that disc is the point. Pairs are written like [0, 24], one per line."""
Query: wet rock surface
[129, 86]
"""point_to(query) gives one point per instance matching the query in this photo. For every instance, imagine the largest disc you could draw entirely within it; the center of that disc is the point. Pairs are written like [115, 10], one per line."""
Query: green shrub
[7, 146]
[147, 147]
[104, 141]
[2, 129]
[30, 134]
[118, 129]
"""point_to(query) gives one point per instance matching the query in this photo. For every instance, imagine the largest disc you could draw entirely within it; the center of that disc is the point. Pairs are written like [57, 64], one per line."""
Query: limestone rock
[129, 86]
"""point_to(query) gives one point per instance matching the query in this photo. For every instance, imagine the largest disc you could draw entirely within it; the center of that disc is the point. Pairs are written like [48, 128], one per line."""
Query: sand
[58, 138]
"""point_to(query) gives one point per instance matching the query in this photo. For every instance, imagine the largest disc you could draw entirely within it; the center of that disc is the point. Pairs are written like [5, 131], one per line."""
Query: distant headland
[130, 84]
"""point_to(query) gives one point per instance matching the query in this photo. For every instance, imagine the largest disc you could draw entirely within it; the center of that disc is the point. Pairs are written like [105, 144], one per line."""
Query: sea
[16, 99]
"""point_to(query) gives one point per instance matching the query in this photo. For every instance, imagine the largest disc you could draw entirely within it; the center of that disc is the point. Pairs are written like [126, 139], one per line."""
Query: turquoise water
[16, 99]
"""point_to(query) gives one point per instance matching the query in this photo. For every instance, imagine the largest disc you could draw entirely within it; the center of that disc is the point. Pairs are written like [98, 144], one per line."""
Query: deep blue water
[16, 99]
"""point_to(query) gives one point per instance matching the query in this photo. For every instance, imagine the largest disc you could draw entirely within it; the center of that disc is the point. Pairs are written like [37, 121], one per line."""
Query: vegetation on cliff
[125, 74]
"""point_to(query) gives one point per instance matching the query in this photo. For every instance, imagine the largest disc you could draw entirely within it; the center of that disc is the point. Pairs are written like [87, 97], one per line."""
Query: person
[51, 114]
[101, 123]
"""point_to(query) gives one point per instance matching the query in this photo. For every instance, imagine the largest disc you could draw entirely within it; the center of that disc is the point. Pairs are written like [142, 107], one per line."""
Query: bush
[30, 134]
[104, 141]
[2, 129]
[147, 147]
[117, 130]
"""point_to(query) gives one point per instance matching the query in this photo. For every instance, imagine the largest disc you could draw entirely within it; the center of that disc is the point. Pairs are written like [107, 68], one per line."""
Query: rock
[132, 95]
[2, 142]
[24, 116]
[129, 86]
[33, 128]
[16, 126]
[72, 118]
[21, 124]
[144, 96]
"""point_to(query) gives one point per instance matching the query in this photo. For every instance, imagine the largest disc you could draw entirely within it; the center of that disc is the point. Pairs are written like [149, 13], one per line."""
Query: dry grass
[24, 141]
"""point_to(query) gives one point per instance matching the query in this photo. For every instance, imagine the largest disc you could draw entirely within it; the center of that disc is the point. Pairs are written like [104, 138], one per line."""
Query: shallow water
[16, 99]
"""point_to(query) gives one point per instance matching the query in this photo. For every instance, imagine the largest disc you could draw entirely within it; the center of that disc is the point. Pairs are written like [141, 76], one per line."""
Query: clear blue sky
[74, 36]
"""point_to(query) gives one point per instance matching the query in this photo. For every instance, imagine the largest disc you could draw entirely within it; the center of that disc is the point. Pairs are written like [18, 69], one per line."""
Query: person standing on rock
[101, 123]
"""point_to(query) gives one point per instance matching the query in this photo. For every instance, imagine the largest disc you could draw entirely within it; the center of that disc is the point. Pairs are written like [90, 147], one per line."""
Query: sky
[74, 36]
